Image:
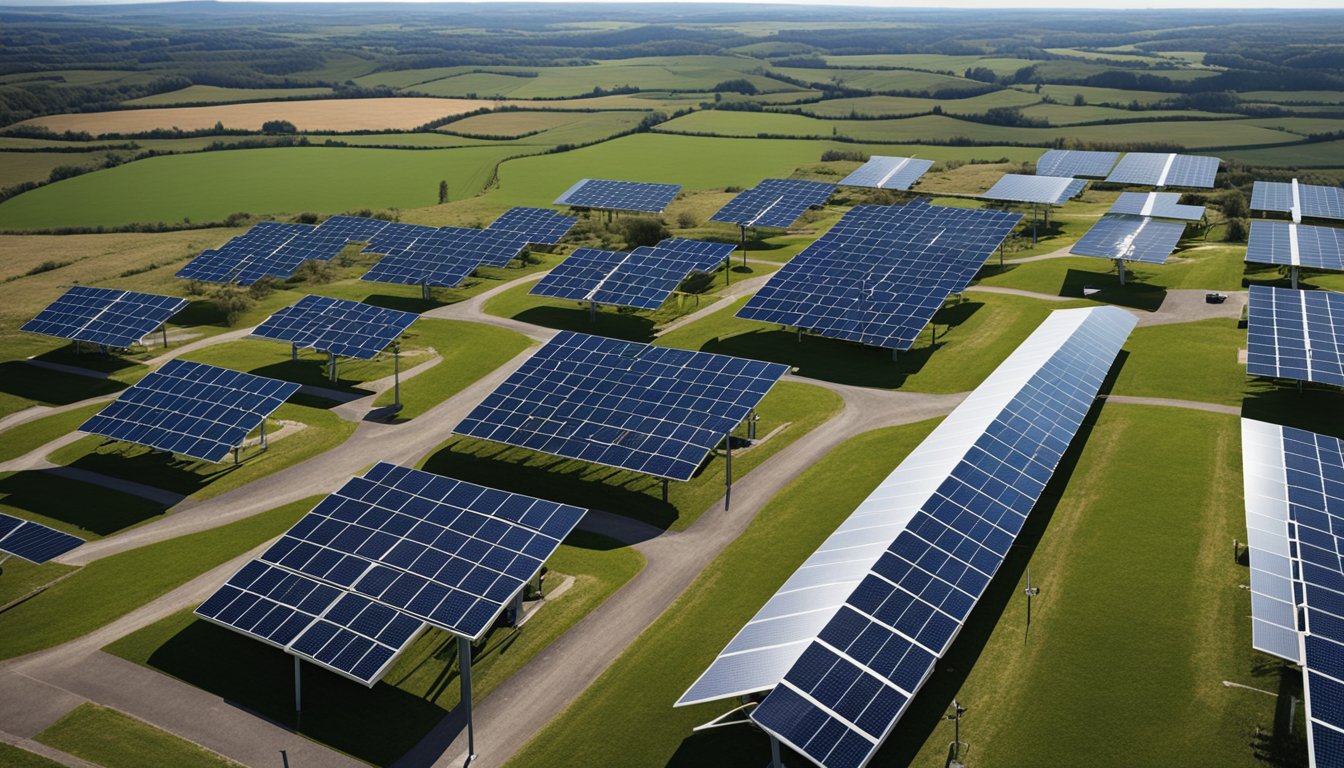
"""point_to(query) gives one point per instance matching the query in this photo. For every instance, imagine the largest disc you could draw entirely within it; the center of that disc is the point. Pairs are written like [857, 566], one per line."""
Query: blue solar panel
[448, 552]
[879, 275]
[397, 238]
[1162, 205]
[850, 686]
[250, 257]
[446, 257]
[339, 326]
[619, 195]
[33, 542]
[1303, 199]
[1046, 190]
[1165, 170]
[330, 237]
[1075, 162]
[105, 316]
[1298, 245]
[1295, 334]
[540, 225]
[774, 203]
[643, 278]
[1132, 238]
[879, 172]
[192, 409]
[648, 409]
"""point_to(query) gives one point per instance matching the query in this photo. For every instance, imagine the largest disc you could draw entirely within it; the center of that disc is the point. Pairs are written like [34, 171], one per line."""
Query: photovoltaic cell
[643, 278]
[192, 409]
[1132, 238]
[1047, 190]
[1309, 200]
[879, 172]
[329, 238]
[1297, 245]
[1161, 205]
[446, 257]
[960, 511]
[250, 257]
[1075, 162]
[540, 225]
[397, 238]
[1165, 170]
[774, 203]
[105, 316]
[33, 542]
[611, 195]
[1294, 334]
[878, 276]
[1274, 627]
[339, 326]
[648, 409]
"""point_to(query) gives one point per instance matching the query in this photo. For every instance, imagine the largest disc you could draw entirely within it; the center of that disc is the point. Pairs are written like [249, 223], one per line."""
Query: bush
[261, 289]
[232, 302]
[1236, 231]
[831, 155]
[1233, 203]
[738, 85]
[643, 231]
[315, 272]
[686, 220]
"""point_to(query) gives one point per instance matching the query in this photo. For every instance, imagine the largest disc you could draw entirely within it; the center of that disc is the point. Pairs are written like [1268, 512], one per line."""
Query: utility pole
[955, 715]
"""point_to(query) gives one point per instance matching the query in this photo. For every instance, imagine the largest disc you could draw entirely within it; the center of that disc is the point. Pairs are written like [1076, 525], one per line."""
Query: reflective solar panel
[971, 486]
[397, 238]
[1047, 190]
[643, 278]
[619, 195]
[33, 542]
[105, 316]
[1157, 169]
[1297, 245]
[250, 257]
[648, 409]
[446, 257]
[1132, 238]
[1075, 162]
[878, 276]
[339, 326]
[1294, 334]
[1161, 205]
[541, 225]
[774, 203]
[879, 172]
[1299, 199]
[1273, 606]
[329, 238]
[192, 409]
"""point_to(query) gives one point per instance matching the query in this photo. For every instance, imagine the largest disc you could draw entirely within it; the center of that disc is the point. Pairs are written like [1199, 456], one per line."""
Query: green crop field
[930, 62]
[909, 105]
[210, 94]
[1319, 154]
[19, 167]
[884, 79]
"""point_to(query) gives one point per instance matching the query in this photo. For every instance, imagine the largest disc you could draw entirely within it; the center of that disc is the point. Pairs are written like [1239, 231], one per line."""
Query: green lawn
[109, 738]
[468, 351]
[1186, 361]
[211, 94]
[112, 586]
[381, 723]
[13, 757]
[32, 435]
[1214, 267]
[792, 408]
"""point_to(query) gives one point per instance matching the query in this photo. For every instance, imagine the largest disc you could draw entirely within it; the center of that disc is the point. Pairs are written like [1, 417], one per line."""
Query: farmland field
[202, 94]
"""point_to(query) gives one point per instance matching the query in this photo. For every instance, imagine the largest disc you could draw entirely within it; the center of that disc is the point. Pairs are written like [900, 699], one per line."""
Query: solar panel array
[945, 520]
[339, 326]
[1297, 477]
[353, 582]
[878, 276]
[774, 203]
[325, 242]
[1157, 169]
[192, 409]
[880, 172]
[398, 238]
[445, 257]
[611, 195]
[1132, 238]
[105, 316]
[541, 225]
[1047, 190]
[33, 542]
[643, 278]
[1310, 200]
[649, 409]
[1076, 162]
[1161, 205]
[250, 257]
[1297, 245]
[1296, 335]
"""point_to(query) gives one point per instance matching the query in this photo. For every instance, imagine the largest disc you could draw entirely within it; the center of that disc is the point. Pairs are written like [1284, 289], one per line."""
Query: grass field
[1065, 94]
[203, 94]
[13, 757]
[884, 80]
[1215, 268]
[469, 351]
[38, 432]
[21, 167]
[512, 124]
[1320, 154]
[910, 105]
[930, 62]
[1187, 361]
[108, 738]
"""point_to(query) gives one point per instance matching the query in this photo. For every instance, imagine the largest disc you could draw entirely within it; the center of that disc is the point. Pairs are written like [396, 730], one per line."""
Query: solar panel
[643, 278]
[396, 238]
[330, 237]
[647, 409]
[1161, 205]
[1273, 605]
[879, 172]
[1298, 199]
[1296, 335]
[959, 506]
[1156, 169]
[1132, 238]
[774, 203]
[250, 257]
[1047, 190]
[339, 326]
[541, 225]
[619, 195]
[878, 276]
[105, 316]
[33, 542]
[192, 409]
[1297, 245]
[446, 257]
[1075, 162]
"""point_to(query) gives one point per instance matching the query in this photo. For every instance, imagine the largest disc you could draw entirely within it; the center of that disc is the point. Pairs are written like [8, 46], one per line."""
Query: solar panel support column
[331, 366]
[728, 475]
[464, 675]
[592, 311]
[775, 761]
[517, 610]
[263, 434]
[1120, 267]
[1293, 269]
[396, 375]
[744, 246]
[294, 353]
[164, 328]
[664, 490]
[424, 292]
[298, 688]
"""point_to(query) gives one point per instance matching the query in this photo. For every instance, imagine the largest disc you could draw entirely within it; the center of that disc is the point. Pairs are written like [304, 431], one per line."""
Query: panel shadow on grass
[92, 359]
[21, 379]
[818, 357]
[139, 464]
[1133, 294]
[614, 325]
[1317, 408]
[405, 303]
[87, 508]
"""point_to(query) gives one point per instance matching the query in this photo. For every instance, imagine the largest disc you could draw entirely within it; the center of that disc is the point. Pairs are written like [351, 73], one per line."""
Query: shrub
[232, 302]
[643, 230]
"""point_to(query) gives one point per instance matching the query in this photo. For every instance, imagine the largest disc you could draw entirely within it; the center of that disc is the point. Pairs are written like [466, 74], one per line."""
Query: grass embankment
[108, 738]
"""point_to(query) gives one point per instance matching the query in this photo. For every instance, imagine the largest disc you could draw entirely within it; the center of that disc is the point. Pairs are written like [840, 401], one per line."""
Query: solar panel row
[899, 173]
[643, 278]
[1161, 205]
[1165, 170]
[1297, 245]
[1042, 190]
[445, 257]
[540, 225]
[1131, 238]
[1309, 200]
[33, 542]
[1295, 334]
[1274, 624]
[609, 195]
[339, 326]
[1075, 162]
[105, 316]
[774, 203]
[250, 257]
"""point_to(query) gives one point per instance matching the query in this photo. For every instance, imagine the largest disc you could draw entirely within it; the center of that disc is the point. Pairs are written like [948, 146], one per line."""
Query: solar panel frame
[613, 195]
[338, 326]
[191, 409]
[1076, 162]
[1297, 335]
[1161, 169]
[541, 225]
[1298, 245]
[105, 316]
[1041, 190]
[33, 542]
[1274, 626]
[1160, 205]
[879, 172]
[1309, 200]
[774, 203]
[1131, 238]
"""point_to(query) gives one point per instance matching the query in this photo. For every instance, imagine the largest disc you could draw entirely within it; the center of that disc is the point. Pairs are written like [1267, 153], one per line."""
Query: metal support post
[775, 762]
[235, 457]
[298, 687]
[464, 675]
[294, 353]
[893, 355]
[800, 334]
[728, 475]
[1120, 267]
[664, 490]
[424, 292]
[751, 424]
[1031, 592]
[164, 328]
[518, 608]
[263, 434]
[744, 246]
[592, 311]
[331, 366]
[1294, 271]
[1000, 254]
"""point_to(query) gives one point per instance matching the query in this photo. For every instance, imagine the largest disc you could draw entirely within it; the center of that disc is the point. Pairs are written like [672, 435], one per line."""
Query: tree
[443, 192]
[1079, 100]
[278, 126]
[1236, 231]
[643, 230]
[232, 302]
[1233, 203]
